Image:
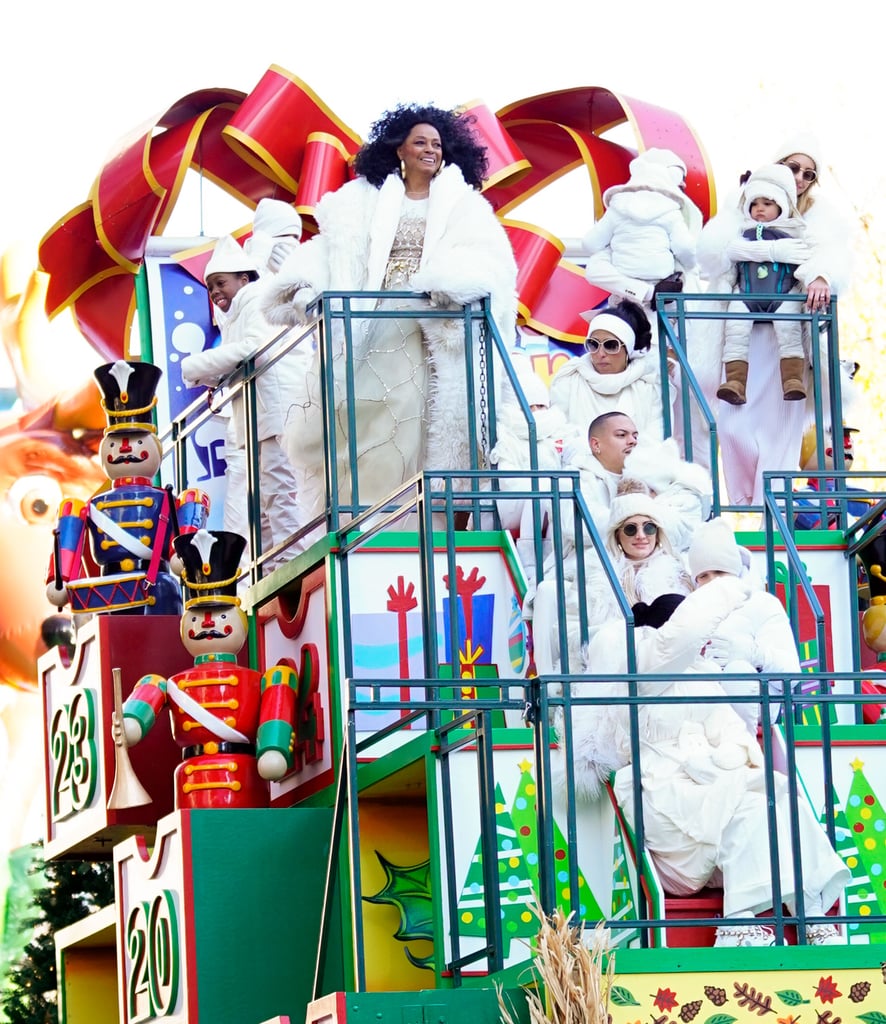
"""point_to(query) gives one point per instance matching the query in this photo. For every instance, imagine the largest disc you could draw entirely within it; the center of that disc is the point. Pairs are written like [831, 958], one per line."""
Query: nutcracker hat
[128, 395]
[276, 218]
[228, 257]
[713, 548]
[211, 566]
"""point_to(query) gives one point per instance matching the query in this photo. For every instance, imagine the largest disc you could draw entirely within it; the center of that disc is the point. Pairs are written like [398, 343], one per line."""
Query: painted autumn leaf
[827, 989]
[620, 996]
[665, 999]
[791, 997]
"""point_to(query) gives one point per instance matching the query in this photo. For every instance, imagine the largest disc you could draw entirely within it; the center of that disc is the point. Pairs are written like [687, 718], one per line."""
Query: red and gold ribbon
[281, 140]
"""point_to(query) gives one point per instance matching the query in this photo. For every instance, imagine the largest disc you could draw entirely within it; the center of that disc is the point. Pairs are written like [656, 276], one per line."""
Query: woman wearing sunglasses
[766, 432]
[640, 549]
[617, 373]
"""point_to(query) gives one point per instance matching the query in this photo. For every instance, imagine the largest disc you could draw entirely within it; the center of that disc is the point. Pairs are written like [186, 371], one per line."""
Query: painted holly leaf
[721, 1018]
[665, 999]
[827, 989]
[874, 1017]
[621, 996]
[408, 888]
[791, 997]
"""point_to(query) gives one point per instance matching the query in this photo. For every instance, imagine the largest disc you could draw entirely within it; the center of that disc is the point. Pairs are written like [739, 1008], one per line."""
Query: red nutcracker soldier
[131, 525]
[235, 726]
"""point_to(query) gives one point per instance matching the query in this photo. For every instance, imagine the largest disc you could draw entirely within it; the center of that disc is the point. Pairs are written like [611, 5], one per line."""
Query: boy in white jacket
[230, 276]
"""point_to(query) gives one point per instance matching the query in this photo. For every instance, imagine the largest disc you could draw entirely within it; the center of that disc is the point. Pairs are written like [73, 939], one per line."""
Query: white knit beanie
[804, 143]
[534, 389]
[713, 548]
[228, 258]
[634, 503]
[276, 218]
[775, 182]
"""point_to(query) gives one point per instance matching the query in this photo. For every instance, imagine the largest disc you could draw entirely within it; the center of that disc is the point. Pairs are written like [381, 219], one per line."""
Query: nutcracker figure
[130, 526]
[235, 726]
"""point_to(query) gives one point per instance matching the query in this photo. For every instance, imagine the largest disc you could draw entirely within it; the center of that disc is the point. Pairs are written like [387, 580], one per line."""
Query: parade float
[390, 860]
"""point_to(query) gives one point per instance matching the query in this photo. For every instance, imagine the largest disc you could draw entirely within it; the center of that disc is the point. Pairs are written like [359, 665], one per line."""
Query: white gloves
[790, 250]
[440, 299]
[573, 451]
[57, 596]
[723, 649]
[302, 298]
[279, 251]
[784, 250]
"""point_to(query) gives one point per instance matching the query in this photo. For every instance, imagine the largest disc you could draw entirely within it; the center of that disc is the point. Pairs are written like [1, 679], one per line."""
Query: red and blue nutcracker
[235, 726]
[130, 525]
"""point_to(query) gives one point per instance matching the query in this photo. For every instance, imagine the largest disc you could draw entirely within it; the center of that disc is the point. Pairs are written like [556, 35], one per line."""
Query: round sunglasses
[611, 345]
[808, 174]
[632, 529]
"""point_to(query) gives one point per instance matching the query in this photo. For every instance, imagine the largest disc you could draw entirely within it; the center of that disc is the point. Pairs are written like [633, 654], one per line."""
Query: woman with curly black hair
[412, 220]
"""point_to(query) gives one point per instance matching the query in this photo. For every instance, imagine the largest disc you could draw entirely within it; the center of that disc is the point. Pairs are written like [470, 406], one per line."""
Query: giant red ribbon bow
[281, 140]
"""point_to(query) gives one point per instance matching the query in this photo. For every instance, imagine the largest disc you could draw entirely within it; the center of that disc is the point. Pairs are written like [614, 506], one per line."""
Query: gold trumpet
[127, 791]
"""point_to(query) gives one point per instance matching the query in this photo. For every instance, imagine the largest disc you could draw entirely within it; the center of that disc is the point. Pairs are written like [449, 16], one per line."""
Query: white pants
[764, 434]
[277, 487]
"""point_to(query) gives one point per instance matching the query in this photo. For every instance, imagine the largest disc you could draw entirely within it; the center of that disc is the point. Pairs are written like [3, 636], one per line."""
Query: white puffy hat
[276, 218]
[804, 143]
[675, 165]
[713, 548]
[775, 182]
[608, 320]
[229, 258]
[648, 176]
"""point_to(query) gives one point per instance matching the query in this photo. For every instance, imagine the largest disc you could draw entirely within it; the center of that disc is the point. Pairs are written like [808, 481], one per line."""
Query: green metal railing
[439, 501]
[675, 313]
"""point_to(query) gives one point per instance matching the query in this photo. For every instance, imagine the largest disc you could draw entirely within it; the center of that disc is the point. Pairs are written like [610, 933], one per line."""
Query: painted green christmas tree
[525, 817]
[514, 883]
[622, 890]
[861, 900]
[866, 819]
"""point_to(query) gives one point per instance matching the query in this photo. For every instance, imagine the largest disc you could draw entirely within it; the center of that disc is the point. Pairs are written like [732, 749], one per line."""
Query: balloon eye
[35, 499]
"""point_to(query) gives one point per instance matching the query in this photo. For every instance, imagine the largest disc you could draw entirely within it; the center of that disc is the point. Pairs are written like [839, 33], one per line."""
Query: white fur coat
[466, 255]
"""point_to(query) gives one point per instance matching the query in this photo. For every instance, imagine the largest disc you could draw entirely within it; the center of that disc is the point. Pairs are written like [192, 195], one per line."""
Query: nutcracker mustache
[121, 459]
[207, 634]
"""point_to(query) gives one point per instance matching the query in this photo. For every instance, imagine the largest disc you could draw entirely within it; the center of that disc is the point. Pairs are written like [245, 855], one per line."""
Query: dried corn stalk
[571, 975]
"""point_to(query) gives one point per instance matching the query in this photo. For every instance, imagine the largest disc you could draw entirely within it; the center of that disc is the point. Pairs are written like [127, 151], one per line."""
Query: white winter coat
[466, 255]
[704, 791]
[583, 393]
[646, 235]
[244, 331]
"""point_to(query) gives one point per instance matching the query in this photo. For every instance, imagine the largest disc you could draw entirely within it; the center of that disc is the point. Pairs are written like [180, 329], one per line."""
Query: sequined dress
[391, 382]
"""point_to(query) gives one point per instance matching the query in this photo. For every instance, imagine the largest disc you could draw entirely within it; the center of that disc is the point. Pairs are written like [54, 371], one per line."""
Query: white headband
[615, 325]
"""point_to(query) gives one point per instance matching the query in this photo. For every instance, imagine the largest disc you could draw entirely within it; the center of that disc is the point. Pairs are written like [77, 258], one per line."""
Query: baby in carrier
[768, 257]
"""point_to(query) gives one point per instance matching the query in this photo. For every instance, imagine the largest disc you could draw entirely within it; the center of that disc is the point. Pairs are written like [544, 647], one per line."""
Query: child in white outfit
[643, 242]
[230, 276]
[766, 256]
